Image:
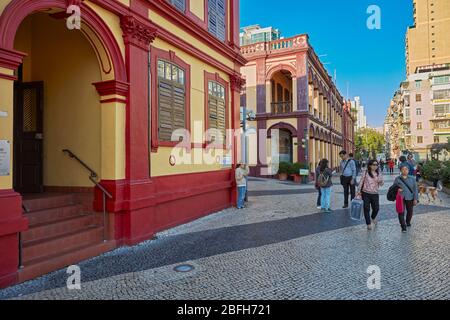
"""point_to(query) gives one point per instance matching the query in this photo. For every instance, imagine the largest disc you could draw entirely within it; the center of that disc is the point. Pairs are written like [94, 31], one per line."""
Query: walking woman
[325, 184]
[369, 191]
[410, 194]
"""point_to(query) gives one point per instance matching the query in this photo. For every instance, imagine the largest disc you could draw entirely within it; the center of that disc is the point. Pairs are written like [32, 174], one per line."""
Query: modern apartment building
[428, 40]
[254, 34]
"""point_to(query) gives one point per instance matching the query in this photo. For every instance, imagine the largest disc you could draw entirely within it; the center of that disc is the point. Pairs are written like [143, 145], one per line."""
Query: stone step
[56, 245]
[38, 267]
[48, 201]
[58, 227]
[53, 214]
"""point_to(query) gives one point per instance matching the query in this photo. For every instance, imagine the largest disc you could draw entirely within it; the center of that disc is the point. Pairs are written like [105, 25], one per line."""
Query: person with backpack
[348, 177]
[407, 188]
[369, 191]
[325, 184]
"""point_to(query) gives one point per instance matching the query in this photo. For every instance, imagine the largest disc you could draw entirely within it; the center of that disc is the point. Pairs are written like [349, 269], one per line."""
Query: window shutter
[216, 21]
[217, 109]
[171, 100]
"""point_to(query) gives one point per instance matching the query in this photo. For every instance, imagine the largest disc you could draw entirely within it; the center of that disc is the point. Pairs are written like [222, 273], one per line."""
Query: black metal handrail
[281, 107]
[93, 177]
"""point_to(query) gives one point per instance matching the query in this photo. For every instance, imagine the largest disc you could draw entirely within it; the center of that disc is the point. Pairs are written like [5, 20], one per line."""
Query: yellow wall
[198, 8]
[160, 160]
[67, 65]
[6, 125]
[157, 19]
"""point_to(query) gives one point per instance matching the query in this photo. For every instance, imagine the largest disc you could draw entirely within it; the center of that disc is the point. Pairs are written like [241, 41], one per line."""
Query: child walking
[369, 191]
[409, 192]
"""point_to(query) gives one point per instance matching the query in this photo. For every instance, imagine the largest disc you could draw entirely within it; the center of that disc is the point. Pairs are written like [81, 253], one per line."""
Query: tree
[369, 142]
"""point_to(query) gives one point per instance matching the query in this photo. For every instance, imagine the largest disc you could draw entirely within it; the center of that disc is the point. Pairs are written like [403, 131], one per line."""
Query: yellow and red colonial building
[87, 116]
[288, 88]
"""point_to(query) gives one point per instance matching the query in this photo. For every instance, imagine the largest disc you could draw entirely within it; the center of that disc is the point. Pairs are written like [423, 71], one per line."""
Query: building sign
[5, 158]
[226, 161]
[304, 172]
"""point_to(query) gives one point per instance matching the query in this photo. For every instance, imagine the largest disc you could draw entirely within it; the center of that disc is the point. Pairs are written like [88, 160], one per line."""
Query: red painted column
[12, 221]
[137, 35]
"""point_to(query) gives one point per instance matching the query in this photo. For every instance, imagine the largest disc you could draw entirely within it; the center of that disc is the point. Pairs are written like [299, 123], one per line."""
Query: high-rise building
[254, 34]
[358, 109]
[428, 40]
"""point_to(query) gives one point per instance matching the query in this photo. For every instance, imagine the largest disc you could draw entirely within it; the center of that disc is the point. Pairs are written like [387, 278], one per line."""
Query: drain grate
[184, 268]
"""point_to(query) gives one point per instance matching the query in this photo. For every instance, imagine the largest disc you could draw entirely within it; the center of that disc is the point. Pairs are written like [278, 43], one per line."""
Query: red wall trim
[169, 56]
[11, 59]
[282, 125]
[112, 87]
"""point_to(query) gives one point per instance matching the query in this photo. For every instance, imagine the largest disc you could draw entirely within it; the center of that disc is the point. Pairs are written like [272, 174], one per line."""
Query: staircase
[61, 233]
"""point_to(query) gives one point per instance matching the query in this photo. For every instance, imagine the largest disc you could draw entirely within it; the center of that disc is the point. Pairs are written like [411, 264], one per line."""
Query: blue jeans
[326, 198]
[241, 197]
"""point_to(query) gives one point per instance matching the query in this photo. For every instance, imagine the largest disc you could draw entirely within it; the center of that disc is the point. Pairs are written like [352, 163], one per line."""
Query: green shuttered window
[171, 99]
[217, 108]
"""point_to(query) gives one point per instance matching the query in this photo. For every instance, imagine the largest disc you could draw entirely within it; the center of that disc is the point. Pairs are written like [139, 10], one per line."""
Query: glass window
[418, 97]
[441, 80]
[418, 84]
[419, 125]
[419, 139]
[442, 109]
[419, 111]
[441, 94]
[179, 4]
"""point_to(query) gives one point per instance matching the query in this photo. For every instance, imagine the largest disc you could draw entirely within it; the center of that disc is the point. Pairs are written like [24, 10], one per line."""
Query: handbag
[362, 186]
[356, 209]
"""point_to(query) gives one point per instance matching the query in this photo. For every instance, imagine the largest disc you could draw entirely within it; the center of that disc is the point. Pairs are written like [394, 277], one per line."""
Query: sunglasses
[374, 164]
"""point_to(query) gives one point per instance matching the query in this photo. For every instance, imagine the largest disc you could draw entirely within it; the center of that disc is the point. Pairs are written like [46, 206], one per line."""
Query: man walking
[348, 176]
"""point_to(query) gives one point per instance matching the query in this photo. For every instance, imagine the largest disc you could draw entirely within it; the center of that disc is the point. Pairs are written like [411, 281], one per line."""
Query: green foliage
[436, 170]
[295, 168]
[370, 141]
[284, 167]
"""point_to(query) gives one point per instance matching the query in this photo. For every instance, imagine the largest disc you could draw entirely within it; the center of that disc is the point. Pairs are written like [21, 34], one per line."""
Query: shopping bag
[356, 209]
[399, 206]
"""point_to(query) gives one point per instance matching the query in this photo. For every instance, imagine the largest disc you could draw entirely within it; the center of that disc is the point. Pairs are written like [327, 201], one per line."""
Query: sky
[372, 62]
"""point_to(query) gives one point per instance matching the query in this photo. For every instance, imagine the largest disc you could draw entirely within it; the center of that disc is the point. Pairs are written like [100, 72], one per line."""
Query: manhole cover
[184, 268]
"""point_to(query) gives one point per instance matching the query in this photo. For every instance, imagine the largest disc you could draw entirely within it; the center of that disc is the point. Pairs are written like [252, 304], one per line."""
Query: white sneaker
[319, 207]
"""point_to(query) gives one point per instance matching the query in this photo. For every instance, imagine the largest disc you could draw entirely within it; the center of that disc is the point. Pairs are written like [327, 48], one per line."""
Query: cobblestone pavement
[280, 247]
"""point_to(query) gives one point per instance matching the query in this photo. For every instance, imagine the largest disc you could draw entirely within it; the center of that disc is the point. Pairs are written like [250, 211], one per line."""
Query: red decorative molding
[282, 125]
[11, 59]
[136, 32]
[237, 82]
[112, 87]
[169, 56]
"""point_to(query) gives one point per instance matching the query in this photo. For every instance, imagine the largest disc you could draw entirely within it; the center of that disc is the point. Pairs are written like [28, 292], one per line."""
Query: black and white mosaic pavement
[280, 247]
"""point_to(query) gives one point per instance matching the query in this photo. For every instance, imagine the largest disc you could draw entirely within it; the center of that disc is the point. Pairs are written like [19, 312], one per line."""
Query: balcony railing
[296, 42]
[281, 107]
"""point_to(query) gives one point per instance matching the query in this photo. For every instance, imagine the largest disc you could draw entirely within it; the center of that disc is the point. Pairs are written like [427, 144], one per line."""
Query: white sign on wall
[5, 166]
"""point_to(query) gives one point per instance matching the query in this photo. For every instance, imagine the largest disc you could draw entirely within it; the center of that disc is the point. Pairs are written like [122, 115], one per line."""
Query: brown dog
[430, 192]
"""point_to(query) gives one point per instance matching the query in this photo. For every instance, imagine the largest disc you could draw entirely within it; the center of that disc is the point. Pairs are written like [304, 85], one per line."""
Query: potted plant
[283, 170]
[295, 171]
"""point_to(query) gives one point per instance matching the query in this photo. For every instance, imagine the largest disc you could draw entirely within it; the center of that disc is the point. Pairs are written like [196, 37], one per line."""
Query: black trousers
[409, 205]
[371, 200]
[319, 198]
[348, 189]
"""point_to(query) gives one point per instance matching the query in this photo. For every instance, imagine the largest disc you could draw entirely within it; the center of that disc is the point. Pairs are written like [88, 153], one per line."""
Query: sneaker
[375, 222]
[369, 227]
[345, 207]
[404, 229]
[409, 225]
[329, 210]
[319, 207]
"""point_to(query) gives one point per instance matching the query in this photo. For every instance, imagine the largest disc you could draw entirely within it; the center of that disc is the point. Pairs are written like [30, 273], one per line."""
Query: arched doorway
[285, 146]
[57, 106]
